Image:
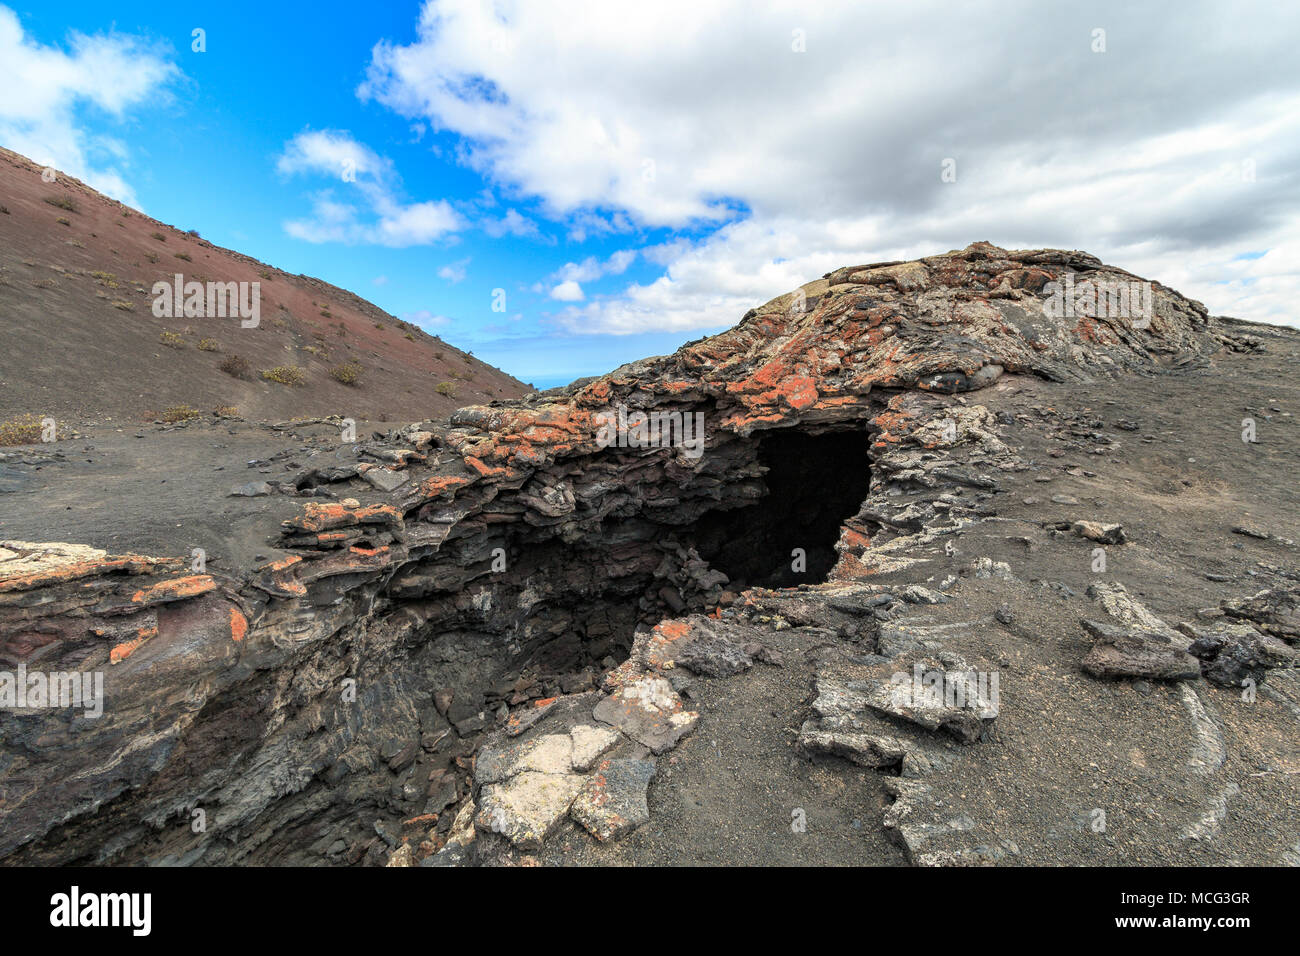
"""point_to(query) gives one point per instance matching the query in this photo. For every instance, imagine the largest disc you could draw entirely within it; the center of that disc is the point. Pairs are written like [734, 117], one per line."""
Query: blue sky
[635, 176]
[203, 154]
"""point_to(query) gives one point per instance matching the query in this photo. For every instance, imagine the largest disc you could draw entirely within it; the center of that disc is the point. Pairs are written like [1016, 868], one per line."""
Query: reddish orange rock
[176, 589]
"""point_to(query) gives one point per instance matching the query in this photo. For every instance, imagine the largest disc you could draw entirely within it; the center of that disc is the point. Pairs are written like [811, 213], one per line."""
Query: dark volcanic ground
[1185, 774]
[1066, 744]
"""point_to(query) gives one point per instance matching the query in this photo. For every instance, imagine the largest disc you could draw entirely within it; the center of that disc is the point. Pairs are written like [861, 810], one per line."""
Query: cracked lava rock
[945, 570]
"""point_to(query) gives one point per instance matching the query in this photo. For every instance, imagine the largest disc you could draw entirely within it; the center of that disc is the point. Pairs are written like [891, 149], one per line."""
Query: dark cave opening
[571, 609]
[814, 482]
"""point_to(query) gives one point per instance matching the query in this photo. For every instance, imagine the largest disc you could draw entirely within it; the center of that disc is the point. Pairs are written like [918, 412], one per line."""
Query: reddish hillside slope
[81, 342]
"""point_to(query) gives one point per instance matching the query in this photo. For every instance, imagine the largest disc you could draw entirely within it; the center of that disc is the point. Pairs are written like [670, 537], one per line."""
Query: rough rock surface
[908, 468]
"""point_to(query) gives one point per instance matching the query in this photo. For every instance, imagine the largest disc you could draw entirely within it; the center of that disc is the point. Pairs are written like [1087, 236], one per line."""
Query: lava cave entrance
[814, 482]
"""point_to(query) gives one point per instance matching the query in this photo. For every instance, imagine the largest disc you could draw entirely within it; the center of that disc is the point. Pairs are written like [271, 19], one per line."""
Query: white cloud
[511, 224]
[567, 291]
[417, 225]
[379, 218]
[454, 271]
[700, 114]
[331, 153]
[44, 90]
[591, 268]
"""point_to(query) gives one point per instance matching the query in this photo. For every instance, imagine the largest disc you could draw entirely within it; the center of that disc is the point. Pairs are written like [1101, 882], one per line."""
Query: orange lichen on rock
[176, 589]
[29, 565]
[327, 517]
[850, 568]
[853, 539]
[486, 471]
[443, 486]
[892, 422]
[238, 625]
[124, 650]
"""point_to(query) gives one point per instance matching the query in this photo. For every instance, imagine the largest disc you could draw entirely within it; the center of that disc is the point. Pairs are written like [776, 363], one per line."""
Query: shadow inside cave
[814, 482]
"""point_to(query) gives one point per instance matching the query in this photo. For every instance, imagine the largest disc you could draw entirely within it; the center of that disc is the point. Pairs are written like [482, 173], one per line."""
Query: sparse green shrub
[63, 222]
[183, 255]
[172, 340]
[284, 375]
[123, 305]
[25, 430]
[348, 374]
[62, 202]
[209, 345]
[179, 413]
[446, 388]
[159, 236]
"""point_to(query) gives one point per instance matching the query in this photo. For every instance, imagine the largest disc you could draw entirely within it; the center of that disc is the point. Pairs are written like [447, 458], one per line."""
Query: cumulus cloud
[332, 153]
[790, 140]
[567, 291]
[376, 216]
[45, 90]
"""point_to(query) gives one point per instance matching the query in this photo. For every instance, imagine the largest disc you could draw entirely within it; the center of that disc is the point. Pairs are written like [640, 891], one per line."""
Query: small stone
[254, 489]
[1101, 533]
[471, 725]
[613, 802]
[649, 711]
[442, 699]
[402, 856]
[528, 807]
[589, 743]
[382, 479]
[711, 655]
[1123, 651]
[529, 716]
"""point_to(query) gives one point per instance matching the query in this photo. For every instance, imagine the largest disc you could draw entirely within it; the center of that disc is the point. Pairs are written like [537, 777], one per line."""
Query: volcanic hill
[82, 343]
